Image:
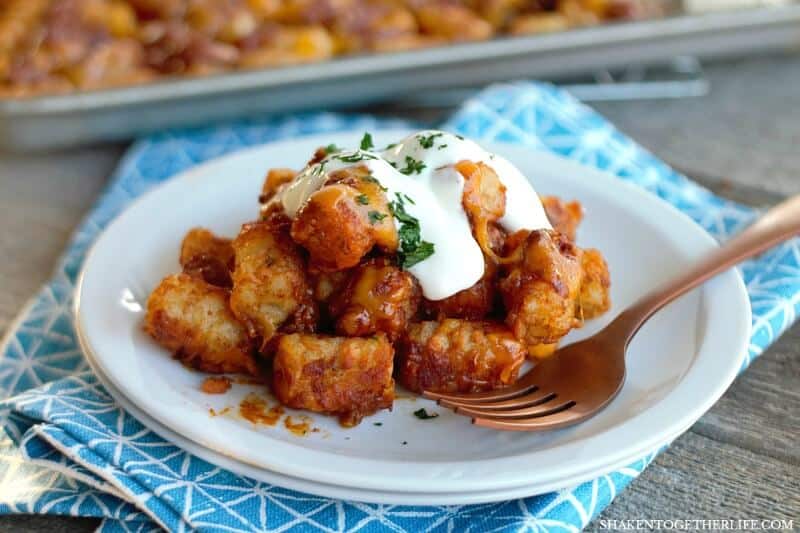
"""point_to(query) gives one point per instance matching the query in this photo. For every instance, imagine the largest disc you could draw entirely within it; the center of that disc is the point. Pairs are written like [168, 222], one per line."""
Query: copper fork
[580, 379]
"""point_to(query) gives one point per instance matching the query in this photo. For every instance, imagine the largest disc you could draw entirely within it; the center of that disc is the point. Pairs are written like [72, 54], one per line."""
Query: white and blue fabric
[70, 449]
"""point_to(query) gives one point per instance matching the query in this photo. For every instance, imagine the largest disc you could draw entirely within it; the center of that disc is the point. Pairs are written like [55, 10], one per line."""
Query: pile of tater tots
[57, 46]
[319, 307]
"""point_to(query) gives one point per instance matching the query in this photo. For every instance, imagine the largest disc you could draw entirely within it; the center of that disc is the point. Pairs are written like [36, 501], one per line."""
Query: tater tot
[564, 216]
[458, 356]
[269, 279]
[287, 45]
[484, 194]
[379, 297]
[594, 299]
[453, 22]
[348, 377]
[326, 284]
[539, 23]
[208, 257]
[474, 303]
[275, 178]
[191, 318]
[341, 222]
[541, 291]
[304, 319]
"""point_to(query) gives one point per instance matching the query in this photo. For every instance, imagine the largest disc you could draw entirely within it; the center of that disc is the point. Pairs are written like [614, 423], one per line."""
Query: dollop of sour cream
[421, 168]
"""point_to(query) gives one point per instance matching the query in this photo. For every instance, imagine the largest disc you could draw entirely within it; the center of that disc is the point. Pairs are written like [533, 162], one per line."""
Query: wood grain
[746, 130]
[42, 199]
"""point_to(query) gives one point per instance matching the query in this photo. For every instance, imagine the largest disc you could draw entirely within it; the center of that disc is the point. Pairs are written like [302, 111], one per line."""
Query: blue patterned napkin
[71, 450]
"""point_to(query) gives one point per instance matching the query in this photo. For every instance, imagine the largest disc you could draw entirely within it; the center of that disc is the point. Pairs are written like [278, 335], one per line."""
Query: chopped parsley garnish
[442, 146]
[413, 166]
[375, 217]
[409, 200]
[355, 157]
[459, 137]
[426, 141]
[390, 146]
[362, 199]
[332, 149]
[369, 178]
[422, 414]
[366, 141]
[319, 169]
[412, 249]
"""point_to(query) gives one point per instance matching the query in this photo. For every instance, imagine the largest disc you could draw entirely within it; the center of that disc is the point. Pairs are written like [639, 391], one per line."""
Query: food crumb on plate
[299, 428]
[256, 409]
[216, 385]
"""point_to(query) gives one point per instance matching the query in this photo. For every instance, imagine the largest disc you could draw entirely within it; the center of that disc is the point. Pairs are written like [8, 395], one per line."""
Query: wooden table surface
[740, 460]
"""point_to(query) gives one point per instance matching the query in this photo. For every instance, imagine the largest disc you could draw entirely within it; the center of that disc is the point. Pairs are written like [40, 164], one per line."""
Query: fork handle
[779, 224]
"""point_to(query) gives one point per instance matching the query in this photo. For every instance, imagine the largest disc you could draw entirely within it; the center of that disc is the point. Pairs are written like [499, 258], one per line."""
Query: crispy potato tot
[539, 23]
[458, 356]
[274, 46]
[474, 303]
[342, 221]
[594, 299]
[348, 377]
[304, 319]
[484, 195]
[541, 291]
[192, 319]
[373, 25]
[453, 22]
[564, 216]
[484, 200]
[275, 178]
[269, 279]
[327, 284]
[378, 297]
[208, 257]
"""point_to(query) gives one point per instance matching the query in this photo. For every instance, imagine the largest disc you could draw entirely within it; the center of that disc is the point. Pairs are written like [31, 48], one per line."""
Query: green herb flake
[377, 423]
[375, 217]
[442, 146]
[318, 169]
[355, 157]
[369, 178]
[362, 199]
[390, 146]
[413, 166]
[366, 141]
[422, 414]
[459, 137]
[412, 249]
[332, 149]
[426, 141]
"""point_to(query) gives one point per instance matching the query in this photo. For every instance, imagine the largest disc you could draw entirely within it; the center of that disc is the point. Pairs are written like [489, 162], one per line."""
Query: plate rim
[353, 469]
[340, 492]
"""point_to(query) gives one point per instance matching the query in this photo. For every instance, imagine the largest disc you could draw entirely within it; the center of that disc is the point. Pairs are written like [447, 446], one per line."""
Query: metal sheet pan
[72, 119]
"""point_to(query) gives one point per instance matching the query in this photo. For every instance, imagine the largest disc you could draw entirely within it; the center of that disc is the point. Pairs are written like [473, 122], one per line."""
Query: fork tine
[565, 417]
[522, 386]
[541, 409]
[533, 398]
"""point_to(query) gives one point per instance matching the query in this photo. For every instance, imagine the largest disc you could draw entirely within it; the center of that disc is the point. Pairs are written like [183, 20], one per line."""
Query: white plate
[678, 365]
[335, 491]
